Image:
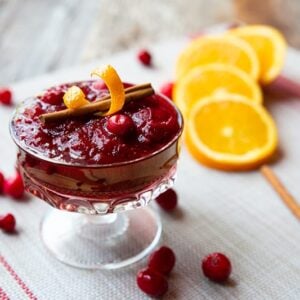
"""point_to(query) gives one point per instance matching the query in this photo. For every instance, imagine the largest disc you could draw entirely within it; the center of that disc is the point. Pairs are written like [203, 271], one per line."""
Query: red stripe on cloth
[17, 279]
[3, 295]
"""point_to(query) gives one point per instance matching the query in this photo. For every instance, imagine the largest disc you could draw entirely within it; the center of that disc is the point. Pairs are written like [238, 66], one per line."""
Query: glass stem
[101, 220]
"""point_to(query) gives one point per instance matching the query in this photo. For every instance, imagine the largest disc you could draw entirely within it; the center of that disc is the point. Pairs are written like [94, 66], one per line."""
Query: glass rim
[40, 156]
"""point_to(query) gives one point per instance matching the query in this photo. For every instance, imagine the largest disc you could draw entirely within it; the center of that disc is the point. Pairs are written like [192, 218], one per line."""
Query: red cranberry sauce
[87, 140]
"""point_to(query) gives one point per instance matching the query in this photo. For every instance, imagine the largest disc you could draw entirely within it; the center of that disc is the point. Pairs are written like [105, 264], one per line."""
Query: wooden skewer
[278, 186]
[103, 104]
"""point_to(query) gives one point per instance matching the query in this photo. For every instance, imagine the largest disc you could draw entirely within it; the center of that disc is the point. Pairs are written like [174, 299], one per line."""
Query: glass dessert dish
[98, 183]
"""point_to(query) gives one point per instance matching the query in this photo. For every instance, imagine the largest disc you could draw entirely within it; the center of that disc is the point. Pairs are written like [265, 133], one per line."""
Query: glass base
[101, 242]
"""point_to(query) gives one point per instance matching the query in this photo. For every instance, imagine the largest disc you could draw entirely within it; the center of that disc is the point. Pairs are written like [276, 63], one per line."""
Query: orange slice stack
[218, 92]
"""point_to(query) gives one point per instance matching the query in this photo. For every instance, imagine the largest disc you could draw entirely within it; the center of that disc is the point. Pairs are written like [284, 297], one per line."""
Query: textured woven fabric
[235, 213]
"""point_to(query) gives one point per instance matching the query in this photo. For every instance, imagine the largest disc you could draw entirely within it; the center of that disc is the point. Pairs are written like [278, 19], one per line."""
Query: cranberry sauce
[141, 128]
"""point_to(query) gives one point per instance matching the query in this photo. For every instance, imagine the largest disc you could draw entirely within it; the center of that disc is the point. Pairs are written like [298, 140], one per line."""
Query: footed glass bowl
[100, 220]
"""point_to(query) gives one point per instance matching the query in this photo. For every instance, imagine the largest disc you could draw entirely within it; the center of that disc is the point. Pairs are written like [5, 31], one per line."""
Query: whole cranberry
[152, 282]
[167, 89]
[120, 125]
[5, 96]
[162, 260]
[144, 57]
[1, 182]
[8, 223]
[14, 186]
[167, 200]
[216, 266]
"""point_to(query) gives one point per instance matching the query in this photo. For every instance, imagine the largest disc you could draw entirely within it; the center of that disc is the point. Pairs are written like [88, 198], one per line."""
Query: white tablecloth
[235, 213]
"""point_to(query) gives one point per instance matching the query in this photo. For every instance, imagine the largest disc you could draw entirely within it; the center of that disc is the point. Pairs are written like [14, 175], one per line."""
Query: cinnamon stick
[287, 198]
[132, 93]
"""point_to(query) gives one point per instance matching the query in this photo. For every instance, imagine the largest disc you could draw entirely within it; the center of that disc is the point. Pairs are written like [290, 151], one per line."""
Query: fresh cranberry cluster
[152, 279]
[13, 187]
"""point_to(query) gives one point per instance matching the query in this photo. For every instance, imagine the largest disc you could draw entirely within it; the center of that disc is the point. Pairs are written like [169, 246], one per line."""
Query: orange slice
[269, 45]
[214, 79]
[219, 49]
[230, 132]
[74, 97]
[115, 86]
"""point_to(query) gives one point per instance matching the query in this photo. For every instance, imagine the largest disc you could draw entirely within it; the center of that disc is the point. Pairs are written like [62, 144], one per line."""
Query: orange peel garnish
[74, 97]
[115, 86]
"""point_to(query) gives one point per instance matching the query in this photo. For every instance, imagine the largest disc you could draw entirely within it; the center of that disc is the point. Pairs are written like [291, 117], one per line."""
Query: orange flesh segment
[228, 127]
[218, 49]
[115, 86]
[264, 50]
[214, 79]
[269, 45]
